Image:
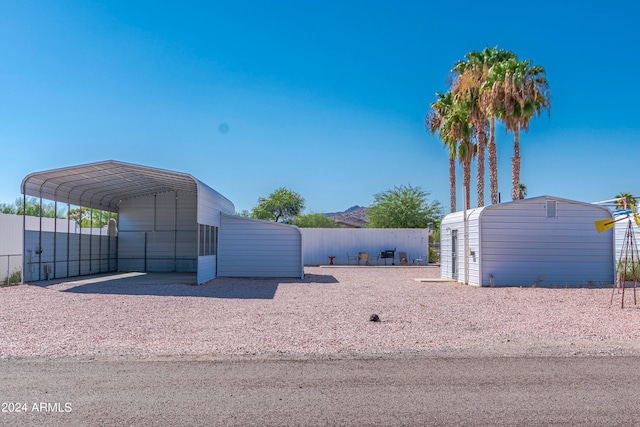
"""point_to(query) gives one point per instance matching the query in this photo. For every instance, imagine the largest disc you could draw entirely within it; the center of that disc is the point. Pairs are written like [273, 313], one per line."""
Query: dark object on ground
[374, 318]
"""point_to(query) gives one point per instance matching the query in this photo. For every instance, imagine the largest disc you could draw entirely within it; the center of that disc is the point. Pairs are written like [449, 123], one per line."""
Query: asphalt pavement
[392, 391]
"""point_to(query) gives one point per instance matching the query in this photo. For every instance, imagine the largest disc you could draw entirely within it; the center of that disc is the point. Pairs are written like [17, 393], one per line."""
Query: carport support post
[68, 233]
[24, 236]
[55, 236]
[80, 242]
[90, 240]
[39, 251]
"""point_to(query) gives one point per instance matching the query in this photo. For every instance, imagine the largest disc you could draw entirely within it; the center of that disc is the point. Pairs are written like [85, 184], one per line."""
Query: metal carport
[167, 221]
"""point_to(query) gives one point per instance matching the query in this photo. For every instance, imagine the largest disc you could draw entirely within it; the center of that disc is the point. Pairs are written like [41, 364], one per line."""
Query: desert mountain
[355, 216]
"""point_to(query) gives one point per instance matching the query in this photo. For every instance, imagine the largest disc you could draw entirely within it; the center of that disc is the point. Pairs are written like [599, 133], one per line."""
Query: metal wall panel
[72, 255]
[621, 231]
[158, 233]
[253, 248]
[131, 251]
[10, 234]
[210, 204]
[320, 243]
[206, 268]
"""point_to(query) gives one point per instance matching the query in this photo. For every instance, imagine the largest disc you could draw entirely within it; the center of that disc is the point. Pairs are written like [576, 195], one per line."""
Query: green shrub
[15, 277]
[629, 271]
[434, 258]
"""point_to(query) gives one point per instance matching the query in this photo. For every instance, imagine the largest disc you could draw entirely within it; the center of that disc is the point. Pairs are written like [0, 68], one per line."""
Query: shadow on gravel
[159, 284]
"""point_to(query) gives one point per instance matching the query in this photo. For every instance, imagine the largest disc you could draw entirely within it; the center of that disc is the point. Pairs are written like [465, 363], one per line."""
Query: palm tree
[451, 121]
[517, 91]
[435, 119]
[629, 200]
[468, 78]
[457, 126]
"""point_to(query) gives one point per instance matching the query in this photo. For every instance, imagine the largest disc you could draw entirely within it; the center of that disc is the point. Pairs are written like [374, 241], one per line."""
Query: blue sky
[325, 98]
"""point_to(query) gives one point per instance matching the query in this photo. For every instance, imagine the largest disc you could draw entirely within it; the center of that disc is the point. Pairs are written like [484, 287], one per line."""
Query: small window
[208, 240]
[552, 208]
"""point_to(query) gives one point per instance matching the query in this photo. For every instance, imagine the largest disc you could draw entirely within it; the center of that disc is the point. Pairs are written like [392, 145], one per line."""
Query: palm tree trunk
[452, 181]
[493, 162]
[467, 182]
[515, 165]
[481, 138]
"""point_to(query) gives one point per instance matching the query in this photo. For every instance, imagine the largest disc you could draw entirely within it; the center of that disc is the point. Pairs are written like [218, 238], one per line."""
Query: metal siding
[10, 234]
[621, 231]
[455, 221]
[165, 211]
[252, 248]
[320, 243]
[187, 212]
[169, 230]
[85, 264]
[136, 214]
[452, 221]
[206, 268]
[131, 251]
[522, 247]
[210, 204]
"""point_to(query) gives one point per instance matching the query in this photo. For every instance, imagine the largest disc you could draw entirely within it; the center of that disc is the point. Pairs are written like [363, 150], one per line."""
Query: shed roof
[103, 185]
[477, 212]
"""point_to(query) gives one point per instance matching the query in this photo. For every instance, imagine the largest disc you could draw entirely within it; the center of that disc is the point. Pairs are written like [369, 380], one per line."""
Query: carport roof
[103, 185]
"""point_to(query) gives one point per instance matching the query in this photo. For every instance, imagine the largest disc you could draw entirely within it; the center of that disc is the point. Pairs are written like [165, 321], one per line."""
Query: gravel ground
[325, 315]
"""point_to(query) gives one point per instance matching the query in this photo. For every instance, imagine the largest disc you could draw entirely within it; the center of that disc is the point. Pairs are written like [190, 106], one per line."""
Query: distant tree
[87, 218]
[35, 208]
[8, 208]
[625, 204]
[403, 207]
[281, 206]
[244, 213]
[314, 220]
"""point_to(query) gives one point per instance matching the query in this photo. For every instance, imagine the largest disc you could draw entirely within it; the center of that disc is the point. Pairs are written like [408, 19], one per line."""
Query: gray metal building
[166, 222]
[538, 241]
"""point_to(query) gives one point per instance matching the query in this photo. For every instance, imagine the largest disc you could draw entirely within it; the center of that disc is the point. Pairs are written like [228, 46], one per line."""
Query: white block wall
[320, 243]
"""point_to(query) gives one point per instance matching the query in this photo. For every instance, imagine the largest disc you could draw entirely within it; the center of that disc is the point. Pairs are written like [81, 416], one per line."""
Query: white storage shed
[255, 248]
[544, 241]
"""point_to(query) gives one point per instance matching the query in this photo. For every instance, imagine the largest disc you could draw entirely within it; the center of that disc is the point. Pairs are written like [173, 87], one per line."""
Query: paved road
[420, 391]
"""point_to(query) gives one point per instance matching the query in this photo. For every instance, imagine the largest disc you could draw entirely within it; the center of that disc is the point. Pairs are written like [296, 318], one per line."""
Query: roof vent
[552, 208]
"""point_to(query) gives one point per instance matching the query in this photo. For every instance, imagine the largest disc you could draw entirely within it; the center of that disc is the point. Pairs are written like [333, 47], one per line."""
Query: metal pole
[145, 251]
[24, 237]
[39, 252]
[68, 234]
[80, 242]
[55, 236]
[100, 244]
[90, 241]
[175, 234]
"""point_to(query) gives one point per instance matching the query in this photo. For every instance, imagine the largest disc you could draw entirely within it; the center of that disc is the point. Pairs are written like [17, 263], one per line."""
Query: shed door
[454, 254]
